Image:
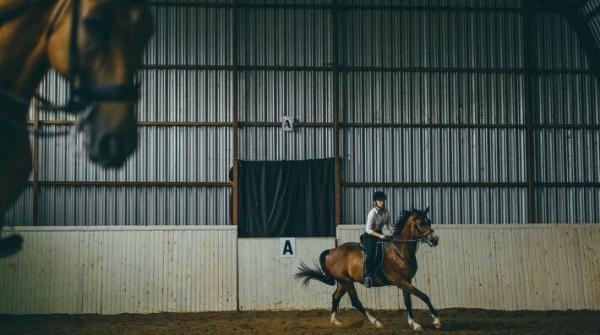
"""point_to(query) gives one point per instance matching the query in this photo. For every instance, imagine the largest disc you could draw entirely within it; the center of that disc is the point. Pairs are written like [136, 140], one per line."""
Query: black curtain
[286, 198]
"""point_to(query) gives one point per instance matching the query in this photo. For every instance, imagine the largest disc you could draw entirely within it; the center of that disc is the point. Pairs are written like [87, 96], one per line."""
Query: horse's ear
[426, 210]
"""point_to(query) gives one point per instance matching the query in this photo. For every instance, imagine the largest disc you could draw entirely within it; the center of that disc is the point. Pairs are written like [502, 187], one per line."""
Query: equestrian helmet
[379, 195]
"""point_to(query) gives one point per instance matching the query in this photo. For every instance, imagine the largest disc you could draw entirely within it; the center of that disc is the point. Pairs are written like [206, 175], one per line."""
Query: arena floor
[455, 321]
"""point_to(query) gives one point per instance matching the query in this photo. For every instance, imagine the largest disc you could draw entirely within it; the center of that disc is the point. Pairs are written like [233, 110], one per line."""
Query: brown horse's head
[416, 226]
[111, 38]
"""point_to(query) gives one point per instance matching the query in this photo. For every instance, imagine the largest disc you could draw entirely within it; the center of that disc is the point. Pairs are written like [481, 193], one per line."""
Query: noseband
[423, 238]
[83, 97]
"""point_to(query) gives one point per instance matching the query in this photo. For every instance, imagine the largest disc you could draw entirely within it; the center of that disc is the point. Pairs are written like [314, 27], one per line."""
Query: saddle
[378, 261]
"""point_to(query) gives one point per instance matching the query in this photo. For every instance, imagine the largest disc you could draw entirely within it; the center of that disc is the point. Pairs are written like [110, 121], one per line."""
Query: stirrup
[368, 282]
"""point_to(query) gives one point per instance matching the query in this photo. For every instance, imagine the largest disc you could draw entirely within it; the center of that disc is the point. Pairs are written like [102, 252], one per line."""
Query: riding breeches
[369, 243]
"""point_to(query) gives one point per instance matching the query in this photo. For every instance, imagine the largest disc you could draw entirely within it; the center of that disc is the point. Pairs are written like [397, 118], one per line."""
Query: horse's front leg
[408, 303]
[407, 289]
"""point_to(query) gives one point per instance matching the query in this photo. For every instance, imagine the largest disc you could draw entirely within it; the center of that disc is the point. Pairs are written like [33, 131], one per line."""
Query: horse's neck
[23, 43]
[408, 248]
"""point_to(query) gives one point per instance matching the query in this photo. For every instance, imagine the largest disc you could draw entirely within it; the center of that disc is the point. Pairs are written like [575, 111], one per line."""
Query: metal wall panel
[265, 96]
[56, 89]
[509, 267]
[129, 206]
[287, 2]
[186, 95]
[193, 2]
[444, 3]
[568, 99]
[272, 143]
[594, 21]
[189, 36]
[163, 154]
[166, 95]
[113, 270]
[290, 37]
[434, 98]
[279, 290]
[438, 62]
[434, 155]
[568, 204]
[568, 155]
[448, 205]
[410, 38]
[21, 213]
[558, 46]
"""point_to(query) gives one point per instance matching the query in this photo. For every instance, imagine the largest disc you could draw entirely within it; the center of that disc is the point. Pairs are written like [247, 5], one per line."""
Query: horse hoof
[335, 322]
[417, 327]
[437, 323]
[378, 325]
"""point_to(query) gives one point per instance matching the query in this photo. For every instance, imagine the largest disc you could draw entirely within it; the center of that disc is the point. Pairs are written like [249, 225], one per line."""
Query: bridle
[83, 97]
[421, 239]
[423, 236]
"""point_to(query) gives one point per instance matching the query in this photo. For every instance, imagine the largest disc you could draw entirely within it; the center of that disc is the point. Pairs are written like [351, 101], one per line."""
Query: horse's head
[421, 227]
[111, 37]
[414, 225]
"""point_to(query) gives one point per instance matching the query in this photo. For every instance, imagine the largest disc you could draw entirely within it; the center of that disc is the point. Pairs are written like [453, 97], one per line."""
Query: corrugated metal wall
[485, 110]
[112, 270]
[567, 142]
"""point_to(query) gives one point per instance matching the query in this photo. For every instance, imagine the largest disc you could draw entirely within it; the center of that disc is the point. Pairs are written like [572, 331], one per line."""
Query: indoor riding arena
[264, 128]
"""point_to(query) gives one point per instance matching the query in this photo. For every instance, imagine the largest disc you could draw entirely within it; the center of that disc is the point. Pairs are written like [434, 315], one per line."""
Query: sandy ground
[455, 321]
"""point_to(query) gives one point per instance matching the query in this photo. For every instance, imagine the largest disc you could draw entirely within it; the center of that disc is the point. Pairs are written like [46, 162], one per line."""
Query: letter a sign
[287, 247]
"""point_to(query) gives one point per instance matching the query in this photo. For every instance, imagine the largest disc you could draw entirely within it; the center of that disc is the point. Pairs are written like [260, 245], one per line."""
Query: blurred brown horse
[98, 46]
[344, 266]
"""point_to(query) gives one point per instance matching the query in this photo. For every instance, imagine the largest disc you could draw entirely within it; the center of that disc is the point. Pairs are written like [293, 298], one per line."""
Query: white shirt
[376, 219]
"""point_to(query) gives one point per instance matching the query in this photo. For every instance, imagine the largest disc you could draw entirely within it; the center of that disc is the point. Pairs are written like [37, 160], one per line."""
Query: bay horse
[343, 266]
[97, 45]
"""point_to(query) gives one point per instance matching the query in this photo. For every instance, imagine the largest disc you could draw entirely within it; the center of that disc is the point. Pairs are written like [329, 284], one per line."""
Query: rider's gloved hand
[388, 238]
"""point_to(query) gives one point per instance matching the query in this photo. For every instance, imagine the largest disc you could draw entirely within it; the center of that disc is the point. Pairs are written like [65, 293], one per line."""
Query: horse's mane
[401, 222]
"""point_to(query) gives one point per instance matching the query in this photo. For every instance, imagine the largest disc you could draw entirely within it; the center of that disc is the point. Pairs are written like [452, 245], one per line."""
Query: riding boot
[367, 271]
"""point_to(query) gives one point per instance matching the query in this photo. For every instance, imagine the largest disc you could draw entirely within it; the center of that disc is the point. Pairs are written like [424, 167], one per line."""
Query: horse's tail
[322, 274]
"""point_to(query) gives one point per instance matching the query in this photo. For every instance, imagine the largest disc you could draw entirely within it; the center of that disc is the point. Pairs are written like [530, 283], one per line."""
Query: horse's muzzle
[110, 147]
[432, 241]
[110, 150]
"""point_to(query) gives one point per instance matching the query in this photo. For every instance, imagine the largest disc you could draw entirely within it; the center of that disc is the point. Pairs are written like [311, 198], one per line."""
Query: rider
[377, 218]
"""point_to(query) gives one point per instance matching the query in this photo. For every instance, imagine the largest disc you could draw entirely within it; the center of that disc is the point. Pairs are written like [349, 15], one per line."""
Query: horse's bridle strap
[109, 92]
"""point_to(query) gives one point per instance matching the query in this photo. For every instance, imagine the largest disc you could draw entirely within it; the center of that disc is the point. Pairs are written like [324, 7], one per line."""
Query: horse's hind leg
[335, 303]
[358, 305]
[407, 289]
